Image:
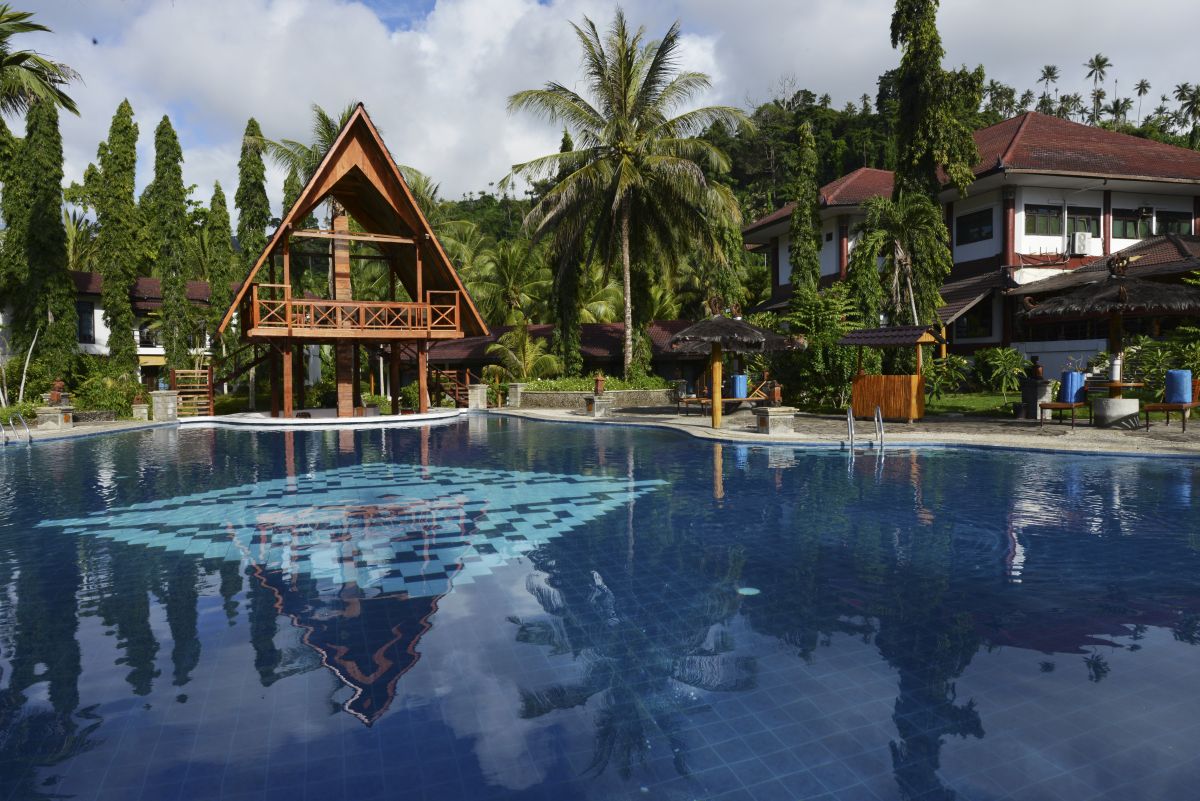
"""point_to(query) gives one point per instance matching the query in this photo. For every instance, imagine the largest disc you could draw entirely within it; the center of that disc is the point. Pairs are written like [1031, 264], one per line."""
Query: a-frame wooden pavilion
[364, 183]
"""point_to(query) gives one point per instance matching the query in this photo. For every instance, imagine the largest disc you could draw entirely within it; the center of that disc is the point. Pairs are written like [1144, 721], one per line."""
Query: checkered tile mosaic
[390, 527]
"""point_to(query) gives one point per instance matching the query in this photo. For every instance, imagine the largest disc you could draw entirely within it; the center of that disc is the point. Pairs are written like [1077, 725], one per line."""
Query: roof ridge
[1027, 116]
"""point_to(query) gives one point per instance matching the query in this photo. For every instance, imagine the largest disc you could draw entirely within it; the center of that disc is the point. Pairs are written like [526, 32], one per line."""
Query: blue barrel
[738, 386]
[1179, 386]
[1072, 389]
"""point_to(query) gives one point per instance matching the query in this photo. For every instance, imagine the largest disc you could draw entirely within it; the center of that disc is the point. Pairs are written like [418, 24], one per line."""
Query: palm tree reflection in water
[644, 672]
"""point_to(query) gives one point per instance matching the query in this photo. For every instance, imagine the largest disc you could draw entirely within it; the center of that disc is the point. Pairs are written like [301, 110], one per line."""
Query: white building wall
[986, 247]
[1126, 200]
[829, 247]
[1059, 355]
[785, 266]
[1032, 244]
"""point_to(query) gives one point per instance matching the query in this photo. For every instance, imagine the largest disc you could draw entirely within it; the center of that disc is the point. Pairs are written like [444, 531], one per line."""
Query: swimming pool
[501, 608]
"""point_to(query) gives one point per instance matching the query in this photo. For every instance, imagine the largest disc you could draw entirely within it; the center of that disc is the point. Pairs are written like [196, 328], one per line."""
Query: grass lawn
[979, 404]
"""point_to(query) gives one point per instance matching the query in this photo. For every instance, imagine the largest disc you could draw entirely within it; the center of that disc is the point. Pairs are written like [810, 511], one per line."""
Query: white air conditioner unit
[1080, 243]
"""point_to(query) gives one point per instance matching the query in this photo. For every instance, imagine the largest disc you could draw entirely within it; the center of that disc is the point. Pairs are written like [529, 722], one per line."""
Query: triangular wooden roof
[360, 173]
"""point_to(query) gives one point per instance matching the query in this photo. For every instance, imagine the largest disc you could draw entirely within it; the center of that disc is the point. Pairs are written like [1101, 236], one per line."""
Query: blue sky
[435, 74]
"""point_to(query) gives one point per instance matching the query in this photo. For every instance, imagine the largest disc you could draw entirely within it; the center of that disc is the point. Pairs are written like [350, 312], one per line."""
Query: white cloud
[438, 89]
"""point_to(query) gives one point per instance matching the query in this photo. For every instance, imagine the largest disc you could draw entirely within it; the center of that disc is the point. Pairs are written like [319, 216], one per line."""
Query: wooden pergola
[359, 175]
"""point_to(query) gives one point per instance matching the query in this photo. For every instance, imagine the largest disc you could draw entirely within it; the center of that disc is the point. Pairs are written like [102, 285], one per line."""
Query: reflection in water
[318, 564]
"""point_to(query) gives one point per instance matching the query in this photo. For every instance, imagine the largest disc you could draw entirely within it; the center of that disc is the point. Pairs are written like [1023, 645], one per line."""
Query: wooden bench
[757, 395]
[1182, 408]
[1062, 406]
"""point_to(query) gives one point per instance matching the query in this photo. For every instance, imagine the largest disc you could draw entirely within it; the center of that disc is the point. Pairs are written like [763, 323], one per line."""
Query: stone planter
[514, 395]
[165, 404]
[774, 419]
[622, 399]
[55, 418]
[141, 411]
[1116, 412]
[598, 406]
[477, 396]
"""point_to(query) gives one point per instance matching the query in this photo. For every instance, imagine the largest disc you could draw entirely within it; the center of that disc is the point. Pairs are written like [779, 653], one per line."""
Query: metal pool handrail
[850, 426]
[28, 433]
[879, 425]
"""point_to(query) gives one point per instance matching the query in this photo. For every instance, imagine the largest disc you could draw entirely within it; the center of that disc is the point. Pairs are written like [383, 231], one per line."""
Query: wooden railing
[272, 308]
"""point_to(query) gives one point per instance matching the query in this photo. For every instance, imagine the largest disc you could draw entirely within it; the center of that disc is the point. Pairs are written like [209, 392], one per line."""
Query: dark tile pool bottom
[507, 609]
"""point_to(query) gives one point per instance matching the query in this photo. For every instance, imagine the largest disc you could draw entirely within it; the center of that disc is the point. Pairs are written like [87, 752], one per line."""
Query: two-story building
[1049, 196]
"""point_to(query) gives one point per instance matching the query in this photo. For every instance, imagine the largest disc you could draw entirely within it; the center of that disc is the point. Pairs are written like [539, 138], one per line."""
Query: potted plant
[141, 409]
[599, 383]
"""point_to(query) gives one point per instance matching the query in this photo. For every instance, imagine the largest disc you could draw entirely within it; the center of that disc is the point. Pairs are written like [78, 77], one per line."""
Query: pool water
[498, 608]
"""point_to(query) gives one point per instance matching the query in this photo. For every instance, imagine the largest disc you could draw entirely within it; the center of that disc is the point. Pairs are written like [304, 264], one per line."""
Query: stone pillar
[344, 373]
[55, 418]
[477, 396]
[165, 405]
[514, 394]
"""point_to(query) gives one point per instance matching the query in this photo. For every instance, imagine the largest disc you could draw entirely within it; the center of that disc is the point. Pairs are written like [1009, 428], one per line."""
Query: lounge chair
[1064, 404]
[1182, 408]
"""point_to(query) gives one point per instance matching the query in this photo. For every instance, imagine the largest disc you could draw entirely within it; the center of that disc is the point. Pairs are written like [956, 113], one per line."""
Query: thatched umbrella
[1114, 297]
[723, 333]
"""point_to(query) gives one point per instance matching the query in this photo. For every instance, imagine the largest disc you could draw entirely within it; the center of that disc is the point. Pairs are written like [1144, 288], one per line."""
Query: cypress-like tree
[568, 263]
[117, 241]
[51, 291]
[254, 210]
[804, 229]
[165, 215]
[223, 269]
[14, 204]
[932, 124]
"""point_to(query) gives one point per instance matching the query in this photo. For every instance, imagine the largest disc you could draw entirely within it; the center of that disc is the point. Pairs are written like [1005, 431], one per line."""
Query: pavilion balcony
[272, 312]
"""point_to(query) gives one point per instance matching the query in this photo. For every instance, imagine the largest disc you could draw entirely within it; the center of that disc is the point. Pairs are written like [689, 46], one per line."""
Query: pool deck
[79, 430]
[830, 431]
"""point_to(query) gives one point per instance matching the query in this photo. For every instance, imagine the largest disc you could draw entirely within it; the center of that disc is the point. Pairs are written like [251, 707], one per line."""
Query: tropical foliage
[522, 357]
[636, 180]
[26, 76]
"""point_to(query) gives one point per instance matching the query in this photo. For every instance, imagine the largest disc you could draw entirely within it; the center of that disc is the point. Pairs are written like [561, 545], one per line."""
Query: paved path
[994, 432]
[81, 430]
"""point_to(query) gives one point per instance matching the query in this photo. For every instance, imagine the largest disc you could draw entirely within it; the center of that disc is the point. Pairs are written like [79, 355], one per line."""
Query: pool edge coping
[841, 445]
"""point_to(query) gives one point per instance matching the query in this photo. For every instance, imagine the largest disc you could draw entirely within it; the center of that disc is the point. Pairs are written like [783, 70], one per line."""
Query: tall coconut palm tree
[1049, 76]
[1142, 88]
[1097, 66]
[26, 76]
[637, 176]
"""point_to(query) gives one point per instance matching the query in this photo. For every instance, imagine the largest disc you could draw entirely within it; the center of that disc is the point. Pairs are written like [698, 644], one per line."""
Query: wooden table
[1116, 389]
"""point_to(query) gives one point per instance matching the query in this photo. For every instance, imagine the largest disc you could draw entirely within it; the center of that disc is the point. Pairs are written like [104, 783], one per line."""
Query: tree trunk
[625, 273]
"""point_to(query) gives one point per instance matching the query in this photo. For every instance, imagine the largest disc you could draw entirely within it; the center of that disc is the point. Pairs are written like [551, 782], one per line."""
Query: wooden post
[942, 347]
[358, 401]
[273, 369]
[344, 368]
[346, 353]
[420, 298]
[287, 293]
[211, 399]
[920, 360]
[302, 371]
[285, 363]
[423, 376]
[394, 377]
[715, 362]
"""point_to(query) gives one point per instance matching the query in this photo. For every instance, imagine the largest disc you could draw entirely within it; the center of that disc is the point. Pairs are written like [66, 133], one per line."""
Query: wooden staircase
[453, 384]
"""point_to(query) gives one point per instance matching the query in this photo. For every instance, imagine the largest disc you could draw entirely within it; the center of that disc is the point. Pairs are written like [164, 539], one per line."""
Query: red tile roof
[1041, 143]
[858, 186]
[146, 292]
[1031, 142]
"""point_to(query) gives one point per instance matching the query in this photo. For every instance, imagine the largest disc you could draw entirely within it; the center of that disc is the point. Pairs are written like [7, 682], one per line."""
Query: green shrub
[588, 384]
[943, 376]
[1001, 369]
[108, 391]
[26, 409]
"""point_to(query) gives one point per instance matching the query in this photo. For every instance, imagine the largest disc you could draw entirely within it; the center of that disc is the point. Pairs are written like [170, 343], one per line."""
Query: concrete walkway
[80, 430]
[974, 431]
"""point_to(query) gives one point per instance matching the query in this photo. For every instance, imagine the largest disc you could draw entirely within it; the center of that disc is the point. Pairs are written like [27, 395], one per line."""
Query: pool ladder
[878, 427]
[16, 435]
